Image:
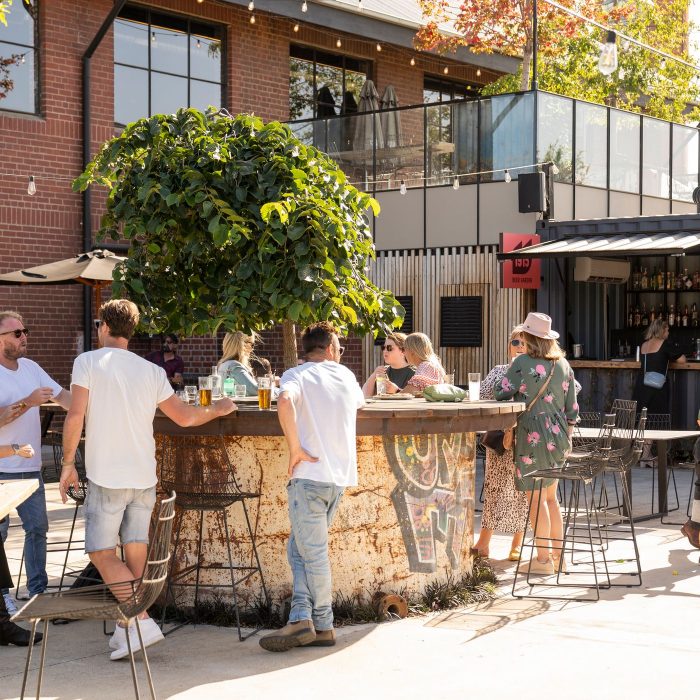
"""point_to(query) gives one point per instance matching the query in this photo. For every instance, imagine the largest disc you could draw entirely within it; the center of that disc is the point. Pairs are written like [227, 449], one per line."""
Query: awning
[610, 246]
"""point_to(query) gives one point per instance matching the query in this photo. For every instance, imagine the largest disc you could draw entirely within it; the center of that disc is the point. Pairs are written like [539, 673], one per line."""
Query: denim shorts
[117, 514]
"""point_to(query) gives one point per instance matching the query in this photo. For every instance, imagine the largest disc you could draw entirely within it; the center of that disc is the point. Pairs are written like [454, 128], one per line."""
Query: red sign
[519, 273]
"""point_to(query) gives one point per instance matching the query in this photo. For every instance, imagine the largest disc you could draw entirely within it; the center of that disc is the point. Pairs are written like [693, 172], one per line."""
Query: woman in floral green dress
[543, 434]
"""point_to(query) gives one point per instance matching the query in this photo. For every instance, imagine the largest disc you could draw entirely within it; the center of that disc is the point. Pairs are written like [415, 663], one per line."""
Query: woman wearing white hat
[543, 379]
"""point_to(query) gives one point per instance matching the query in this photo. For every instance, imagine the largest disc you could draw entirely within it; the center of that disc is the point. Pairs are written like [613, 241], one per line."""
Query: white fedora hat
[539, 325]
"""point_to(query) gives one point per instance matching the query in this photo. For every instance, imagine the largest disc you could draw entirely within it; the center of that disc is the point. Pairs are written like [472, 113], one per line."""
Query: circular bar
[409, 521]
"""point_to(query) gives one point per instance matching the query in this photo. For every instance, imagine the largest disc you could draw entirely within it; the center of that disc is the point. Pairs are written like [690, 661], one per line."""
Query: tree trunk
[289, 344]
[527, 61]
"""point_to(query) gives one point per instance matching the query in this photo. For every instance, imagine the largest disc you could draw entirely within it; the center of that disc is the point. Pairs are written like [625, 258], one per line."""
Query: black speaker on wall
[531, 193]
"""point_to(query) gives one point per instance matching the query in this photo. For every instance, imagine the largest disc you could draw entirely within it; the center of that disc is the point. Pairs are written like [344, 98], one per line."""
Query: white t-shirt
[14, 386]
[326, 397]
[125, 390]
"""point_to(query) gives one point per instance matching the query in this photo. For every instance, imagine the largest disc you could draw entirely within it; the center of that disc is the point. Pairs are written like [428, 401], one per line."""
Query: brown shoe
[324, 638]
[692, 534]
[293, 634]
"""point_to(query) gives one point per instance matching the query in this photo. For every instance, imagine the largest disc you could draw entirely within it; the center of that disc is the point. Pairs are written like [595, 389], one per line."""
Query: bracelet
[68, 464]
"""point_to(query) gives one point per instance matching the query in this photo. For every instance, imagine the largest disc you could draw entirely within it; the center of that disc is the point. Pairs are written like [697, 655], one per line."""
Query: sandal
[514, 554]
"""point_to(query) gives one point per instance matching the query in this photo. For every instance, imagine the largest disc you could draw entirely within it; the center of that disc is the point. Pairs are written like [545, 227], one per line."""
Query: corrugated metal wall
[427, 275]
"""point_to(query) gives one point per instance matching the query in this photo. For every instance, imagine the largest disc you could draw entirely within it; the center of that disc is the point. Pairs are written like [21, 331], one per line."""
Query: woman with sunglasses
[235, 360]
[505, 508]
[395, 368]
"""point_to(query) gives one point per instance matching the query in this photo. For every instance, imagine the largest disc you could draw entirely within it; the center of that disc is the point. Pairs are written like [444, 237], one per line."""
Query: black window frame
[307, 53]
[146, 16]
[407, 326]
[456, 89]
[33, 10]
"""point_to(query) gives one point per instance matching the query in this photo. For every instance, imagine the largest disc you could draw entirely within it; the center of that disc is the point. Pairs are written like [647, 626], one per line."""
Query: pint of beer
[205, 391]
[264, 393]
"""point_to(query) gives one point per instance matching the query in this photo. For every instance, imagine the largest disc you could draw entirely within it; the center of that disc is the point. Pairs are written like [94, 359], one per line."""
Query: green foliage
[233, 222]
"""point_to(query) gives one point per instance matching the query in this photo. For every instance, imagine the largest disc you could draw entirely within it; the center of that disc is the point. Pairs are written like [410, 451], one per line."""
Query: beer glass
[264, 393]
[191, 393]
[205, 391]
[474, 385]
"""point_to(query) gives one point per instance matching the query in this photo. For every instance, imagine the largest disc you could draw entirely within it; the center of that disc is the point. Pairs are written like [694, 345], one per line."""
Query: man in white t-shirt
[116, 393]
[26, 385]
[317, 409]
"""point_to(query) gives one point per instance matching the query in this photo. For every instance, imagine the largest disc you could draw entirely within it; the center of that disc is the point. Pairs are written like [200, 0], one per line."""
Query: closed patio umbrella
[368, 127]
[391, 120]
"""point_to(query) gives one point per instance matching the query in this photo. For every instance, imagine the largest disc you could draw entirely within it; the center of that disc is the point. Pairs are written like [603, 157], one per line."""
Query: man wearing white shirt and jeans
[116, 393]
[317, 409]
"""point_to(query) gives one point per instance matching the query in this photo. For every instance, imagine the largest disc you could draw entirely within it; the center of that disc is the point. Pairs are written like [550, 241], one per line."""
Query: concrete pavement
[635, 642]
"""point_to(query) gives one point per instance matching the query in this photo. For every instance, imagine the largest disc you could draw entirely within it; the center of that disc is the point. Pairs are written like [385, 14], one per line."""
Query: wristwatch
[15, 448]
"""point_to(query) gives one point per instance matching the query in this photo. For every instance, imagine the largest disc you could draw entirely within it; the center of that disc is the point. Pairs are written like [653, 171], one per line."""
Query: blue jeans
[312, 505]
[35, 522]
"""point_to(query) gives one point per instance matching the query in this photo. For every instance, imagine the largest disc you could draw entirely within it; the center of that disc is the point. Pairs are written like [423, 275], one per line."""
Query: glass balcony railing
[477, 140]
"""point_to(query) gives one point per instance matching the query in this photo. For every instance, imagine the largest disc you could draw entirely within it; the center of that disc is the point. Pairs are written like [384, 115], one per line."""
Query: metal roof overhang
[610, 246]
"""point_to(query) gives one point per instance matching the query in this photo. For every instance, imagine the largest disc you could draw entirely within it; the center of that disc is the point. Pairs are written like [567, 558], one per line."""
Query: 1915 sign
[519, 273]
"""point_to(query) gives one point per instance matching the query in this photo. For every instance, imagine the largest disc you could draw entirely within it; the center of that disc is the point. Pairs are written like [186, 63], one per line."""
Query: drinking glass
[205, 391]
[216, 386]
[191, 393]
[264, 393]
[450, 378]
[474, 385]
[381, 385]
[239, 391]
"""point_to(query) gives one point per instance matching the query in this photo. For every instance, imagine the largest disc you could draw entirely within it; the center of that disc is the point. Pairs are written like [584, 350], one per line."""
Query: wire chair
[199, 470]
[580, 472]
[101, 603]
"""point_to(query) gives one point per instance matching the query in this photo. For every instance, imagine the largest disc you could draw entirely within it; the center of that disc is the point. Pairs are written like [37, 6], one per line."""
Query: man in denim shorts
[116, 393]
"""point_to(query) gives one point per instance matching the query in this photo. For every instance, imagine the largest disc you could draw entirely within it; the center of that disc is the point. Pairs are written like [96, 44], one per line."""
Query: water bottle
[229, 384]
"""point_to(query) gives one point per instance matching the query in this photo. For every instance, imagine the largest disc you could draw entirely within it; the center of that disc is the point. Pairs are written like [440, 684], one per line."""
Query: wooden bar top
[377, 417]
[691, 365]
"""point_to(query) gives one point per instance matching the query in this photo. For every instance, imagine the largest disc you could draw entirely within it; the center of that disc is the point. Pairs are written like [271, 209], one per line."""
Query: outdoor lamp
[607, 63]
[31, 187]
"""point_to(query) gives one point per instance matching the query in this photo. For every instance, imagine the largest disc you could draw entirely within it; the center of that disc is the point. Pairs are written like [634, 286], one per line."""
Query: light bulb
[252, 19]
[338, 43]
[413, 61]
[199, 2]
[22, 59]
[296, 27]
[304, 6]
[379, 47]
[445, 70]
[251, 5]
[199, 44]
[607, 63]
[555, 169]
[359, 5]
[31, 187]
[478, 72]
[402, 188]
[506, 176]
[153, 37]
[455, 183]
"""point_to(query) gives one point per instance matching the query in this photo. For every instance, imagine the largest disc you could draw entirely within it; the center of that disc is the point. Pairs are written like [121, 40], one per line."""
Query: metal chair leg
[145, 660]
[29, 657]
[131, 659]
[43, 659]
[233, 575]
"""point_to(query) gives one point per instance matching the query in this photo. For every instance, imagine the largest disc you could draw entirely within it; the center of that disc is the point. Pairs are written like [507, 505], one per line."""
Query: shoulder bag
[655, 380]
[501, 440]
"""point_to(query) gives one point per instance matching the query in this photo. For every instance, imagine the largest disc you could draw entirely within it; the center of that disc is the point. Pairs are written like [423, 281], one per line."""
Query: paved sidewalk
[635, 642]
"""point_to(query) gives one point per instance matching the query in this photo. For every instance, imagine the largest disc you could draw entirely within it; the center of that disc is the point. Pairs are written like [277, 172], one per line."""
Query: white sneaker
[118, 638]
[9, 603]
[150, 632]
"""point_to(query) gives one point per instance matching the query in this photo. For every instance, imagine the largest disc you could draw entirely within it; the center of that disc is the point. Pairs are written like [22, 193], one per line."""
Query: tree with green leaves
[235, 223]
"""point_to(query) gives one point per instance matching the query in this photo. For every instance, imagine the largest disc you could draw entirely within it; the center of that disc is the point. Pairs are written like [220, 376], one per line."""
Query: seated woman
[395, 368]
[429, 370]
[235, 360]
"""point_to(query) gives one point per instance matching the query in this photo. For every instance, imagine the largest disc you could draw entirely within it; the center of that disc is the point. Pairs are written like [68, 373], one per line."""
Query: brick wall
[48, 226]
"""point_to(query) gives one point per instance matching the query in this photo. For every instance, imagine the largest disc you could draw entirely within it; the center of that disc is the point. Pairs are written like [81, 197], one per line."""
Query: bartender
[169, 360]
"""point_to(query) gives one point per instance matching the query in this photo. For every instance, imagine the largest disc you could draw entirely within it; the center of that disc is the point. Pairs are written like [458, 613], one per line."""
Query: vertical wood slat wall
[427, 275]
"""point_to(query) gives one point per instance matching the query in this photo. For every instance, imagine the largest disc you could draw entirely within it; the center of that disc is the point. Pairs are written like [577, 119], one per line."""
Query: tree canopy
[234, 222]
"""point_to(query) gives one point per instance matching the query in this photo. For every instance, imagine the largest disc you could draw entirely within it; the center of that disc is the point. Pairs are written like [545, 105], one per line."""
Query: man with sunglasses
[317, 409]
[26, 385]
[169, 360]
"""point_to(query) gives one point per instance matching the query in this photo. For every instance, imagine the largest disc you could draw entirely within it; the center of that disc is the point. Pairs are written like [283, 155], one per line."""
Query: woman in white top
[235, 360]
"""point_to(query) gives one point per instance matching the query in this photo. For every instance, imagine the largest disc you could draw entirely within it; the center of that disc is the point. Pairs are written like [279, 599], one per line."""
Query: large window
[162, 63]
[324, 84]
[18, 63]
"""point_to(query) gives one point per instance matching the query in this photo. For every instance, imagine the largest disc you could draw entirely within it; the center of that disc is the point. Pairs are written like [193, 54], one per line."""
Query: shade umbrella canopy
[391, 121]
[368, 127]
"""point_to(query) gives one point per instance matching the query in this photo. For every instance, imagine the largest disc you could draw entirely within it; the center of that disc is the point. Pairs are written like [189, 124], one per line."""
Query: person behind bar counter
[655, 356]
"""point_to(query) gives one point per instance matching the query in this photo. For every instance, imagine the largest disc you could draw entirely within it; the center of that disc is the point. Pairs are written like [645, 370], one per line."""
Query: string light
[252, 19]
[153, 37]
[555, 169]
[296, 28]
[31, 187]
[455, 184]
[445, 70]
[338, 43]
[199, 2]
[478, 72]
[506, 176]
[199, 44]
[359, 5]
[607, 63]
[413, 61]
[379, 47]
[304, 6]
[251, 5]
[402, 187]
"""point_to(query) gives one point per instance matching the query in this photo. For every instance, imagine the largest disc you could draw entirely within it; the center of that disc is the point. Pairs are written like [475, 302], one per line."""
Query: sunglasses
[97, 323]
[516, 343]
[17, 332]
[341, 349]
[388, 348]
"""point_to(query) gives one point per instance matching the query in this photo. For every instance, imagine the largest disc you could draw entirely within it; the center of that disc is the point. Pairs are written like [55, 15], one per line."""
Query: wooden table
[14, 492]
[662, 438]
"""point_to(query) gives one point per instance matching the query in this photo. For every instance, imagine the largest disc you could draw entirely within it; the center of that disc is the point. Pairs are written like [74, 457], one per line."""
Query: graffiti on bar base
[431, 496]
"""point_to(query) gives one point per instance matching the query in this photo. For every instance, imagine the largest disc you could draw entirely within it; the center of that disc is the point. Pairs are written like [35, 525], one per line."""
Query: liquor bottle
[679, 281]
[696, 279]
[652, 314]
[630, 318]
[684, 317]
[653, 280]
[645, 279]
[694, 315]
[671, 317]
[670, 279]
[636, 279]
[637, 318]
[688, 282]
[660, 279]
[645, 315]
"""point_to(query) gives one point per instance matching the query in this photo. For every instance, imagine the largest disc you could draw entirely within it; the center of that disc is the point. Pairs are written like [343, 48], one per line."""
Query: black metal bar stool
[198, 468]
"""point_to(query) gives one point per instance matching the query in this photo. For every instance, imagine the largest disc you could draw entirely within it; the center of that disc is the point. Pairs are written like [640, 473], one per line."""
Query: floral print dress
[541, 438]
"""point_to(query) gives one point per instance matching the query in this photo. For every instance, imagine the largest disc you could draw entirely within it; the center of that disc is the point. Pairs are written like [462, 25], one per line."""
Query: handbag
[501, 440]
[444, 392]
[655, 380]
